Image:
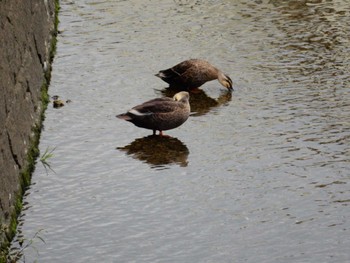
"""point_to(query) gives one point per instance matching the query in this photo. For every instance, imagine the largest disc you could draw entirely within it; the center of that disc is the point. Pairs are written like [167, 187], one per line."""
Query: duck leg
[195, 90]
[164, 135]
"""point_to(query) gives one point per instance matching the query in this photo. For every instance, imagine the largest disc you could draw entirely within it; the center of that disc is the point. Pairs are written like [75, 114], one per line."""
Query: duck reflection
[158, 151]
[200, 102]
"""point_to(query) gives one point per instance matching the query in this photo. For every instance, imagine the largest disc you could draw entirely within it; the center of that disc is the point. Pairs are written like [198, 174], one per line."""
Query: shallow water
[259, 175]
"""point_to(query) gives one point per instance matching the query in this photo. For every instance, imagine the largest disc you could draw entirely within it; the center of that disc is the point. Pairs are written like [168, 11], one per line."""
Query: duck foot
[195, 90]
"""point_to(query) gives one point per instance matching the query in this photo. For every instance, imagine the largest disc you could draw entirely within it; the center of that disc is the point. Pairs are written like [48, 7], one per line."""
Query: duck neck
[221, 77]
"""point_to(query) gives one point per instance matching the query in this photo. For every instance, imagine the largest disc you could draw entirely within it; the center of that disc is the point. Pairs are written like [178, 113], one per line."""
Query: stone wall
[27, 29]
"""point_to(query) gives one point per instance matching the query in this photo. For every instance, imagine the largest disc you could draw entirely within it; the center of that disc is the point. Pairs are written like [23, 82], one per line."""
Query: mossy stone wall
[27, 34]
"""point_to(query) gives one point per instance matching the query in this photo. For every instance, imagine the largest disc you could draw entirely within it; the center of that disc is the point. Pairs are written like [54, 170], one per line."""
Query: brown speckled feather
[160, 114]
[193, 73]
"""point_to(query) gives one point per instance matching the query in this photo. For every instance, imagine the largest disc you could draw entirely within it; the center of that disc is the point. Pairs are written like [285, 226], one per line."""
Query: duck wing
[159, 105]
[183, 67]
[174, 73]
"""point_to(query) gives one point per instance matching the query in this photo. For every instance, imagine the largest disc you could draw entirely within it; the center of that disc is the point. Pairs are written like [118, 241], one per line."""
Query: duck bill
[230, 88]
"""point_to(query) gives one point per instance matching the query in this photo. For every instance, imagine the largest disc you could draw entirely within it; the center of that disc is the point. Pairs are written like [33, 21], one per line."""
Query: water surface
[259, 175]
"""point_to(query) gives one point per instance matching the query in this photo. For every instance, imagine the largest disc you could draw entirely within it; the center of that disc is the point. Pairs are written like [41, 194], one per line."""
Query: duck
[190, 74]
[160, 114]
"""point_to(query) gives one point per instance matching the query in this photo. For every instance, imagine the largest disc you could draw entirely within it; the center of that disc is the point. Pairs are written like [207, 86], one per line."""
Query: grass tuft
[44, 159]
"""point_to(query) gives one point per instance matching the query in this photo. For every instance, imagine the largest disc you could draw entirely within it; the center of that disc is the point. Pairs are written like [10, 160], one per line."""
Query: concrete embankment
[27, 43]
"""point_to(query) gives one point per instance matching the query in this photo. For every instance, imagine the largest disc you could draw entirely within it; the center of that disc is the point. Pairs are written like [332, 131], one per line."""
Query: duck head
[182, 96]
[225, 81]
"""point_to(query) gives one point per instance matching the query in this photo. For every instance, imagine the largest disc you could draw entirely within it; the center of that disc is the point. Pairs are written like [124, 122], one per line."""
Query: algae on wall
[28, 32]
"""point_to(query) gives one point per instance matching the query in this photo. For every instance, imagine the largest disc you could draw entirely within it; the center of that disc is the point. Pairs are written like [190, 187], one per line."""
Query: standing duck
[160, 114]
[193, 73]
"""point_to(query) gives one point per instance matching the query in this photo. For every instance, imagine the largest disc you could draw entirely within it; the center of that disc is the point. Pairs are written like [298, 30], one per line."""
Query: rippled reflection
[200, 102]
[313, 47]
[158, 151]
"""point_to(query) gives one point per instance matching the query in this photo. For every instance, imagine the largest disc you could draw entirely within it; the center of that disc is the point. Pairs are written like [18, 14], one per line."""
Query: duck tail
[124, 116]
[167, 74]
[159, 75]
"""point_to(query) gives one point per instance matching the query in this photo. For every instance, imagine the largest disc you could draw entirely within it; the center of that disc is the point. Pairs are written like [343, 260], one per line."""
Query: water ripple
[259, 175]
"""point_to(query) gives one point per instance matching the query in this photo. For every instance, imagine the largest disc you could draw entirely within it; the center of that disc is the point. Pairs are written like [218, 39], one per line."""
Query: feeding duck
[193, 73]
[160, 114]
